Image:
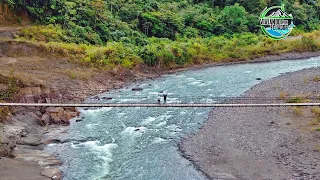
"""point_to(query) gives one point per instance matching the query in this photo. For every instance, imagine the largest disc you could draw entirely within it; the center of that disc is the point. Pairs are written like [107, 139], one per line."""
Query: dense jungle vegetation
[163, 33]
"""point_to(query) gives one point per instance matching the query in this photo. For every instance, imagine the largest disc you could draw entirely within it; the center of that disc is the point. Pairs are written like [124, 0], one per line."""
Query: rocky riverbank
[262, 143]
[24, 139]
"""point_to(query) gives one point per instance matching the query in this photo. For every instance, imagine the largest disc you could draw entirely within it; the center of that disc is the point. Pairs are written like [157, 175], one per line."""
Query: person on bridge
[165, 97]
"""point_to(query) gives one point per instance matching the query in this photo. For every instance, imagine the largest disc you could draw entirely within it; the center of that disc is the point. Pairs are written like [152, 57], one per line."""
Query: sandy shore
[261, 143]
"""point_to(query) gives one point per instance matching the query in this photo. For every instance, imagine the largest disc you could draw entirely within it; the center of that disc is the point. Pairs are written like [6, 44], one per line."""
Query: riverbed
[142, 143]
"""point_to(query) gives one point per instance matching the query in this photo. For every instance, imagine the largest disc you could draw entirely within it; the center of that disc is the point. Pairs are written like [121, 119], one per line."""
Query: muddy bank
[261, 143]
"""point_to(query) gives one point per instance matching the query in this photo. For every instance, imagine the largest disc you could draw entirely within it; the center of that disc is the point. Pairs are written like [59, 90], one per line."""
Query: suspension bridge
[180, 102]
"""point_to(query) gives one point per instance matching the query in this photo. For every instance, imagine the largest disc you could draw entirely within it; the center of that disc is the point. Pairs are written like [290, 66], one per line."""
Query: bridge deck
[158, 105]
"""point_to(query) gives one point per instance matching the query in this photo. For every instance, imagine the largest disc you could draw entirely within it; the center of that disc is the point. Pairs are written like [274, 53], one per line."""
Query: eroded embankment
[262, 143]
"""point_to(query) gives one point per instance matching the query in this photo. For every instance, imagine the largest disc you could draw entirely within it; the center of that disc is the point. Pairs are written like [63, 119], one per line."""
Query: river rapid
[142, 143]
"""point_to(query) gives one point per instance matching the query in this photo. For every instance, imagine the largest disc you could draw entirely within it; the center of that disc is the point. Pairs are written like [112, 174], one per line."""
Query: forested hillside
[162, 32]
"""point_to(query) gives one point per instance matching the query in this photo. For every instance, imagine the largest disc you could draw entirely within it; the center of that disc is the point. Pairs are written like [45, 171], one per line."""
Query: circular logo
[276, 23]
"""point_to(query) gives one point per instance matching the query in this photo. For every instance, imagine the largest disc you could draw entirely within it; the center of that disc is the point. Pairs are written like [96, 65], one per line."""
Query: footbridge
[181, 102]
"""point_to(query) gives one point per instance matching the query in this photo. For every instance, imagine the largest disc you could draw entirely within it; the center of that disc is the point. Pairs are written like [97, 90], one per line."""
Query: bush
[283, 95]
[295, 100]
[316, 78]
[4, 112]
[316, 111]
[48, 33]
[297, 111]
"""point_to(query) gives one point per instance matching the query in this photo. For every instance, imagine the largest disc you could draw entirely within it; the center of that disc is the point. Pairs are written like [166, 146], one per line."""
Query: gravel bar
[260, 143]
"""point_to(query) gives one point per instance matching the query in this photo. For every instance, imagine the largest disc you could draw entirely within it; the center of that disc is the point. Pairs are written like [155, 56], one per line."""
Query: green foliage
[160, 24]
[295, 100]
[111, 55]
[48, 33]
[163, 33]
[234, 17]
[99, 21]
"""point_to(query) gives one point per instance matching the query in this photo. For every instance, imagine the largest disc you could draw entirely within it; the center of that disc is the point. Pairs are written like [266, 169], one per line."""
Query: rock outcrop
[23, 140]
[58, 115]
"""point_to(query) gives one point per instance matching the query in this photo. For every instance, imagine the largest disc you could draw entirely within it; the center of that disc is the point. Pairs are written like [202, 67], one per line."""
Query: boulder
[45, 119]
[60, 115]
[56, 114]
[64, 120]
[70, 115]
[107, 98]
[137, 89]
[55, 119]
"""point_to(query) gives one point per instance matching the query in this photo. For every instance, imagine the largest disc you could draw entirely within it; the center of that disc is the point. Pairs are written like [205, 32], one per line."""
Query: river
[142, 143]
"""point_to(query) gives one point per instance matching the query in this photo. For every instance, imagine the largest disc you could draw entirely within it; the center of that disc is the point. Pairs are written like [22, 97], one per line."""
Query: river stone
[107, 98]
[79, 120]
[137, 89]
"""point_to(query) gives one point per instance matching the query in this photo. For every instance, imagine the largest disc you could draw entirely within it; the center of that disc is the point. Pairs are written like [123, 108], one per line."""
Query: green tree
[234, 19]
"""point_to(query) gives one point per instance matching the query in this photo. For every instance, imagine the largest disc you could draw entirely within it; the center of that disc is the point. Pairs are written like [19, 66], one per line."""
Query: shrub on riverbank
[166, 53]
[4, 113]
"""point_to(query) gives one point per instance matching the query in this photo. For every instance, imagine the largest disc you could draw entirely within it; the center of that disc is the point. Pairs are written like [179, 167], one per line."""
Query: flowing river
[142, 143]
